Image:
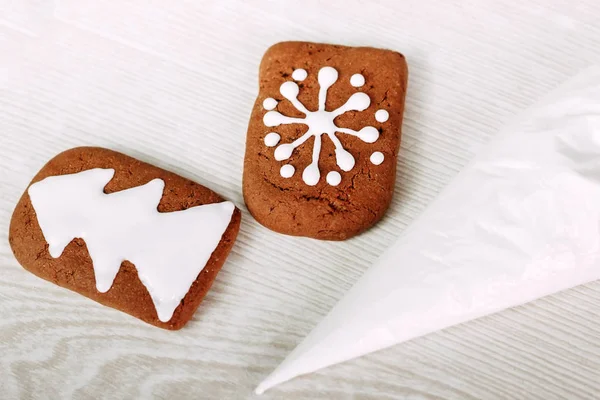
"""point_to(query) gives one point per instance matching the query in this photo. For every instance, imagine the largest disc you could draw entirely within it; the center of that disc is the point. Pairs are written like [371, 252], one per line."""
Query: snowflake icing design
[319, 122]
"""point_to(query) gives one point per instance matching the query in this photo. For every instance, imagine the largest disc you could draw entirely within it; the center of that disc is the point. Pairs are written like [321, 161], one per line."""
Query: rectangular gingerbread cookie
[323, 138]
[124, 233]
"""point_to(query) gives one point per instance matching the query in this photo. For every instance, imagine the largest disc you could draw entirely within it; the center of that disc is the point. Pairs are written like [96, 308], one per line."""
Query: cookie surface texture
[323, 138]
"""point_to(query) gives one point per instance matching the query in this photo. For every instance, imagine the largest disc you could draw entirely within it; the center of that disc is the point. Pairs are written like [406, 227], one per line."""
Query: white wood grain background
[173, 83]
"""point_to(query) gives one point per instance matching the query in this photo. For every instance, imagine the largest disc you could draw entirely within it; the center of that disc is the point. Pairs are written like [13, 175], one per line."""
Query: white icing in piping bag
[520, 222]
[168, 249]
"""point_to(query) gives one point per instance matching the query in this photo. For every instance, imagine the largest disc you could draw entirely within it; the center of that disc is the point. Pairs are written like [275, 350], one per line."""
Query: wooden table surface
[173, 83]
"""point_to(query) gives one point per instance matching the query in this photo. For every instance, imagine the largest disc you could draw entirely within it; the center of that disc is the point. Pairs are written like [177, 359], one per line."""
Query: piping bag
[521, 221]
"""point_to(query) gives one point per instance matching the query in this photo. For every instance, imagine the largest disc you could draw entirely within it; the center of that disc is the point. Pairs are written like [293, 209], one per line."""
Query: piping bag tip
[294, 365]
[275, 378]
[352, 328]
[260, 389]
[280, 375]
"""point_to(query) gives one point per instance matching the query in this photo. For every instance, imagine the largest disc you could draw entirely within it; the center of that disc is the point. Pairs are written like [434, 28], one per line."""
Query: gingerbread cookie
[124, 233]
[323, 138]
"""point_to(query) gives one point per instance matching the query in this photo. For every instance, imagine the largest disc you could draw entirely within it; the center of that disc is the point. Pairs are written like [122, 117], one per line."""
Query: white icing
[168, 249]
[357, 80]
[287, 171]
[320, 122]
[334, 178]
[382, 115]
[377, 158]
[299, 74]
[272, 139]
[269, 103]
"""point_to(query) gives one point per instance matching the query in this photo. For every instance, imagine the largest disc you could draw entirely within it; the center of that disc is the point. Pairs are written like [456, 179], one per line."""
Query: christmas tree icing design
[320, 122]
[168, 249]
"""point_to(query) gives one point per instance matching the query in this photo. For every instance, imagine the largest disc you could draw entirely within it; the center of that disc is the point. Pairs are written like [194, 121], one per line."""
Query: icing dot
[357, 80]
[382, 115]
[311, 175]
[334, 178]
[299, 74]
[327, 77]
[358, 101]
[272, 139]
[269, 103]
[368, 134]
[289, 90]
[377, 158]
[287, 171]
[284, 151]
[344, 159]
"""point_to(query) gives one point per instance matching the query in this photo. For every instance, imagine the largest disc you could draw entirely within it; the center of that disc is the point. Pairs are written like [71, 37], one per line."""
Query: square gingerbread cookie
[323, 138]
[124, 233]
